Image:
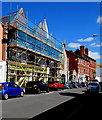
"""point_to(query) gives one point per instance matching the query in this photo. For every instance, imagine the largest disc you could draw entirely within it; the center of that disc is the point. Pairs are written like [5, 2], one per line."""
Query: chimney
[81, 50]
[86, 51]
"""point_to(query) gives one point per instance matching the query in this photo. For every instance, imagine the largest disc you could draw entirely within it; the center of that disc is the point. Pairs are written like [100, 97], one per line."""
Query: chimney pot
[86, 51]
[81, 50]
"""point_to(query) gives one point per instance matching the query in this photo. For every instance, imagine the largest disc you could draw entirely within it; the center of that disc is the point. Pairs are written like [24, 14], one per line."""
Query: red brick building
[81, 66]
[1, 37]
[3, 42]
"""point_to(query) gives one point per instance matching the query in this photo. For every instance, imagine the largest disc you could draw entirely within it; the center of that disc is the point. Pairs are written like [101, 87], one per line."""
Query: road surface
[70, 104]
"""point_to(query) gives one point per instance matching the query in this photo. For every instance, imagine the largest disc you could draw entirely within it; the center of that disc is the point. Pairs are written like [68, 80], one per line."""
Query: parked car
[74, 85]
[66, 85]
[94, 80]
[56, 85]
[78, 84]
[70, 85]
[60, 85]
[36, 87]
[100, 85]
[8, 89]
[93, 87]
[83, 84]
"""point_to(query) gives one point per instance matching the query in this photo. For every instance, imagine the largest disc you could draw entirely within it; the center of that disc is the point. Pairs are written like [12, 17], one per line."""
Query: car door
[16, 89]
[42, 85]
[0, 91]
[60, 85]
[9, 88]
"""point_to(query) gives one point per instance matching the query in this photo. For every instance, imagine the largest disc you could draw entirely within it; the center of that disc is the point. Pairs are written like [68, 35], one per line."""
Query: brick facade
[81, 66]
[1, 37]
[4, 44]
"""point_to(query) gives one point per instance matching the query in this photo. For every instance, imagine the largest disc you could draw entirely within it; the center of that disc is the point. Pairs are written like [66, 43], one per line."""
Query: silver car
[93, 87]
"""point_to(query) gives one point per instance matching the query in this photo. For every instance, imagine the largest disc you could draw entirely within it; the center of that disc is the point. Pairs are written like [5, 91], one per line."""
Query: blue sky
[74, 22]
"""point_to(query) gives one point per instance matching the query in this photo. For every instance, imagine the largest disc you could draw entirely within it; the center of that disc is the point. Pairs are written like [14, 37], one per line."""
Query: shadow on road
[83, 106]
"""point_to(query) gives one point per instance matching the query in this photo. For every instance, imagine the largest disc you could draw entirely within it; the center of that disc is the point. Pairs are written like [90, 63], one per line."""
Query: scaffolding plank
[16, 45]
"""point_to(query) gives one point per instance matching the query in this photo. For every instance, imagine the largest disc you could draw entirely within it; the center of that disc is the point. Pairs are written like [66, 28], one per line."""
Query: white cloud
[86, 40]
[74, 45]
[99, 19]
[95, 55]
[93, 44]
[96, 45]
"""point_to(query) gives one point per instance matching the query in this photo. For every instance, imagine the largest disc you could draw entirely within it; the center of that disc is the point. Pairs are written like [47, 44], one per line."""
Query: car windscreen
[57, 82]
[50, 82]
[31, 84]
[92, 84]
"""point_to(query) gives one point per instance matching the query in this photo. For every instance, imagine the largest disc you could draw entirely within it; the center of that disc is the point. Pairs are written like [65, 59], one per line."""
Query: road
[71, 104]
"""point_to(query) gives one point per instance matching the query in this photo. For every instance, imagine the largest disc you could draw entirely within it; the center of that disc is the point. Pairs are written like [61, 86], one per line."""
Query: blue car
[8, 89]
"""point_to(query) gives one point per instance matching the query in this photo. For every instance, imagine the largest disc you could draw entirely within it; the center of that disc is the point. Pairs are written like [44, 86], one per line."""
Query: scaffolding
[32, 53]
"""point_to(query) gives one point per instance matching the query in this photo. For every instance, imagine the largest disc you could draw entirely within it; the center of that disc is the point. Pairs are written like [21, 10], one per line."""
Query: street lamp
[94, 35]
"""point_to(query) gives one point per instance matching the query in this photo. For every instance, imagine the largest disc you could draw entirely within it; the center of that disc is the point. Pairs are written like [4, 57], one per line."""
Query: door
[16, 89]
[42, 85]
[9, 89]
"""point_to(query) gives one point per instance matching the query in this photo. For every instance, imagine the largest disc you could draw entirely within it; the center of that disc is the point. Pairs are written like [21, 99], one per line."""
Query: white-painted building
[3, 71]
[99, 72]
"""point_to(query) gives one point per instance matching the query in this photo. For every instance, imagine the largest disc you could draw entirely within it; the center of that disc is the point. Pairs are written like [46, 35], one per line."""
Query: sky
[75, 22]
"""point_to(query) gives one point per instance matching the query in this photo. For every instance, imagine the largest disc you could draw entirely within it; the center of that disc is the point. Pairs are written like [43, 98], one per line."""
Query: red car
[56, 85]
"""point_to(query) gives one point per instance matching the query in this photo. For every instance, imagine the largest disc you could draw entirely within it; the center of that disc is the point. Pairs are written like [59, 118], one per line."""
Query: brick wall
[1, 37]
[81, 62]
[4, 45]
[73, 61]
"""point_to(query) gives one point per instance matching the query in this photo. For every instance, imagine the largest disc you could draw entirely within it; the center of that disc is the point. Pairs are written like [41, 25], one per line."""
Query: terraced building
[31, 53]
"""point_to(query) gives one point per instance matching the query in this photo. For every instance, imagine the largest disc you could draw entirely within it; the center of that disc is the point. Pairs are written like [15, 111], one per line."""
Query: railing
[25, 24]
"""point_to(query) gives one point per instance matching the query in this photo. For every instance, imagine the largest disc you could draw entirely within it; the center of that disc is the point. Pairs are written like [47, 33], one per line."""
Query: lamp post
[94, 35]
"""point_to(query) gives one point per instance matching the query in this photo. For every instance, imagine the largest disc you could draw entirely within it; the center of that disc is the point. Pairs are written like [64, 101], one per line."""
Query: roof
[77, 52]
[71, 52]
[90, 57]
[5, 82]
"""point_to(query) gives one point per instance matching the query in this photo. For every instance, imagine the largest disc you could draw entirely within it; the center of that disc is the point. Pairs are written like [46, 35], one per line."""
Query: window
[14, 85]
[25, 40]
[24, 57]
[8, 85]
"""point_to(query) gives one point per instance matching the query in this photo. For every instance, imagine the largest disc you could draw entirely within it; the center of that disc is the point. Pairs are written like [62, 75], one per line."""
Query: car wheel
[6, 96]
[38, 91]
[22, 94]
[47, 90]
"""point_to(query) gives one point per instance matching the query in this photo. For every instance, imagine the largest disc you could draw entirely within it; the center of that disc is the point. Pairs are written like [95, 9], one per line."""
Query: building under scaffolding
[30, 51]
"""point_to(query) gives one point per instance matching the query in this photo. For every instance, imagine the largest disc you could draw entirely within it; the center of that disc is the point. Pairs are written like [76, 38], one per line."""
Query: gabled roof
[21, 11]
[43, 25]
[11, 16]
[78, 53]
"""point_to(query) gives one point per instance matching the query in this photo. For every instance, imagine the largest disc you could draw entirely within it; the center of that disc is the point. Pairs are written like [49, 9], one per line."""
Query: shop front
[81, 78]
